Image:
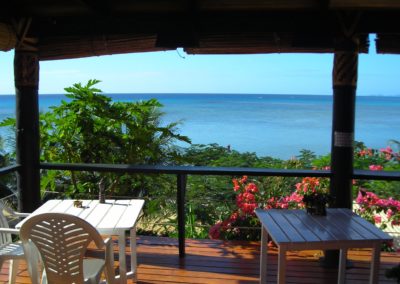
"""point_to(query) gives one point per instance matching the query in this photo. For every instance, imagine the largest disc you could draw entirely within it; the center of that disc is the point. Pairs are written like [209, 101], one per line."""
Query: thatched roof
[78, 28]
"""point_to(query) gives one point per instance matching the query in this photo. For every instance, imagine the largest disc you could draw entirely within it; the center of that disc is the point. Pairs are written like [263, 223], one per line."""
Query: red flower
[236, 185]
[215, 231]
[251, 187]
[376, 167]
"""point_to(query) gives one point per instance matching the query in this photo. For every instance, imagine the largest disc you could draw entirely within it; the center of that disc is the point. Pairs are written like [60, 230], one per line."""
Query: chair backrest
[62, 241]
[5, 238]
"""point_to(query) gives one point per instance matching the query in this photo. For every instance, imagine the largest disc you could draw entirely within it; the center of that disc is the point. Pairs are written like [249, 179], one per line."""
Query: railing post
[181, 186]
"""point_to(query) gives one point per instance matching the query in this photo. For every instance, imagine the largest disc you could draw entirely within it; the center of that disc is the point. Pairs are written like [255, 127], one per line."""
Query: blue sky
[177, 72]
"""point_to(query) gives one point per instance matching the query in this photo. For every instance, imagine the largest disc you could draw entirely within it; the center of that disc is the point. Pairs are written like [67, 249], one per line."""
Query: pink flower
[367, 198]
[377, 219]
[244, 179]
[388, 149]
[389, 213]
[376, 167]
[214, 232]
[295, 197]
[388, 152]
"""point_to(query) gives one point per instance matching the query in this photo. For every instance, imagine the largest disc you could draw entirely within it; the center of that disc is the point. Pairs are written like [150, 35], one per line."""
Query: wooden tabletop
[111, 217]
[339, 228]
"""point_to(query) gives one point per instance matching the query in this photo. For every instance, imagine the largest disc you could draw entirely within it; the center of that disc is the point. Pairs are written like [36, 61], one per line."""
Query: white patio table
[339, 229]
[114, 217]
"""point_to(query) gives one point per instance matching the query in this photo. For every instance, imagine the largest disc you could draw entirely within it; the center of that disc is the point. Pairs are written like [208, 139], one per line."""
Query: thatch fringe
[253, 43]
[8, 39]
[76, 47]
[388, 44]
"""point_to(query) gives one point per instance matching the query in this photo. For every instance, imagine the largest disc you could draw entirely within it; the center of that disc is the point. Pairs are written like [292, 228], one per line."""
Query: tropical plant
[7, 182]
[91, 128]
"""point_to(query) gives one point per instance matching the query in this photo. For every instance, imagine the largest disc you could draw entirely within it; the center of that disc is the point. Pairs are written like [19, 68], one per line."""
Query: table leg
[342, 266]
[122, 257]
[133, 254]
[375, 259]
[281, 265]
[263, 256]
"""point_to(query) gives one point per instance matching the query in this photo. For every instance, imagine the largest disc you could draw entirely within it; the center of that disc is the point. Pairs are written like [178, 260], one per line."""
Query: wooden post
[26, 74]
[344, 95]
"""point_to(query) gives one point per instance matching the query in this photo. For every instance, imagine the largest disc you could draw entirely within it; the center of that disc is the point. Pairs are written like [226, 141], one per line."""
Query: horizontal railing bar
[358, 174]
[9, 169]
[376, 175]
[191, 170]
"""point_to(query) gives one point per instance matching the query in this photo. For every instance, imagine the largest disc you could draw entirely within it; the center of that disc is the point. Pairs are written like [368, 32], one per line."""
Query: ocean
[269, 125]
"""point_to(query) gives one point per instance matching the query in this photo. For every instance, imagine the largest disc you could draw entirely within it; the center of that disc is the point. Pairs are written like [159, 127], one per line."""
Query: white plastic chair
[9, 250]
[62, 241]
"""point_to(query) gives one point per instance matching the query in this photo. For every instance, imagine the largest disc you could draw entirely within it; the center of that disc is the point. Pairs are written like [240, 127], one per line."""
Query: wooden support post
[26, 74]
[181, 185]
[344, 95]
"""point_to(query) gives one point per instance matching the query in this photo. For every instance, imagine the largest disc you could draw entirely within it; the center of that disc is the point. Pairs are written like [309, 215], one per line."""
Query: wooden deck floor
[210, 261]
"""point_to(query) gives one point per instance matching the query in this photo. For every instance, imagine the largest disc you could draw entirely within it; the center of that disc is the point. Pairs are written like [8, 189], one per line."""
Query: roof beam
[364, 4]
[101, 7]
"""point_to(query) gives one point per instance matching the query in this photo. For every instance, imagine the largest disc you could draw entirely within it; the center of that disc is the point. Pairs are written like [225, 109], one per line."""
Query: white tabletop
[111, 217]
[339, 228]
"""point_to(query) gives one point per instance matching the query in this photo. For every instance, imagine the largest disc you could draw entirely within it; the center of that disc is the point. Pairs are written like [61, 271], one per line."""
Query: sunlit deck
[210, 261]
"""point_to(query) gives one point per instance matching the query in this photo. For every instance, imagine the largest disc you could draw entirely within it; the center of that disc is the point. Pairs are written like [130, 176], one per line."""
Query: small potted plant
[316, 203]
[315, 195]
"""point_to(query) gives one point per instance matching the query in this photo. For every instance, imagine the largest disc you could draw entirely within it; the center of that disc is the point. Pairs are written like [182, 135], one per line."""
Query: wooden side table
[339, 229]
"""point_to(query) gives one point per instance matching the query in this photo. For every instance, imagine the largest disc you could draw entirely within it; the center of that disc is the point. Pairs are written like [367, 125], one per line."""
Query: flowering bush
[384, 159]
[374, 159]
[371, 208]
[250, 195]
[240, 223]
[283, 193]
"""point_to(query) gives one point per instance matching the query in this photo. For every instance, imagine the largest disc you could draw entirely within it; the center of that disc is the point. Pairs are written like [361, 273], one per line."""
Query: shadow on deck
[210, 261]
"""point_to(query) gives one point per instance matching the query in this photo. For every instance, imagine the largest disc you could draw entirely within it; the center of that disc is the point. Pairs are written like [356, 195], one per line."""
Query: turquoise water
[273, 125]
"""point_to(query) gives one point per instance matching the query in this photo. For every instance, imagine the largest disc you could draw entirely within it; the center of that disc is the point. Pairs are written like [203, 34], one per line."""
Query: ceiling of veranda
[59, 29]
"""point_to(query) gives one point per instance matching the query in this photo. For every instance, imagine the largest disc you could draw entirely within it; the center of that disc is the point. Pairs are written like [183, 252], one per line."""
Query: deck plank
[231, 262]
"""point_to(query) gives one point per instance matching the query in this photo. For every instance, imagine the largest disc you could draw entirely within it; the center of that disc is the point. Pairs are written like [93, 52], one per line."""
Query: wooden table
[114, 217]
[296, 230]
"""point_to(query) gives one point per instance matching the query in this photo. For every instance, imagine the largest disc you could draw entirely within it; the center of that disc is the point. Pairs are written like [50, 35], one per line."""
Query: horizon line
[214, 93]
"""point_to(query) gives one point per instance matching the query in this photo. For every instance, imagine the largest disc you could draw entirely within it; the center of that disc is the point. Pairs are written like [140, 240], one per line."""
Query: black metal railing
[182, 172]
[9, 169]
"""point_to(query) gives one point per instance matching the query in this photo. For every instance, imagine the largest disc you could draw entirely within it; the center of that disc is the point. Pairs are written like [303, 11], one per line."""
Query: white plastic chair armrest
[21, 214]
[9, 230]
[109, 265]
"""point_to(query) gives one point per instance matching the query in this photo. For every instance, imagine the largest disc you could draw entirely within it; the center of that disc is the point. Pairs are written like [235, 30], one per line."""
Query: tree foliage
[91, 128]
[7, 182]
